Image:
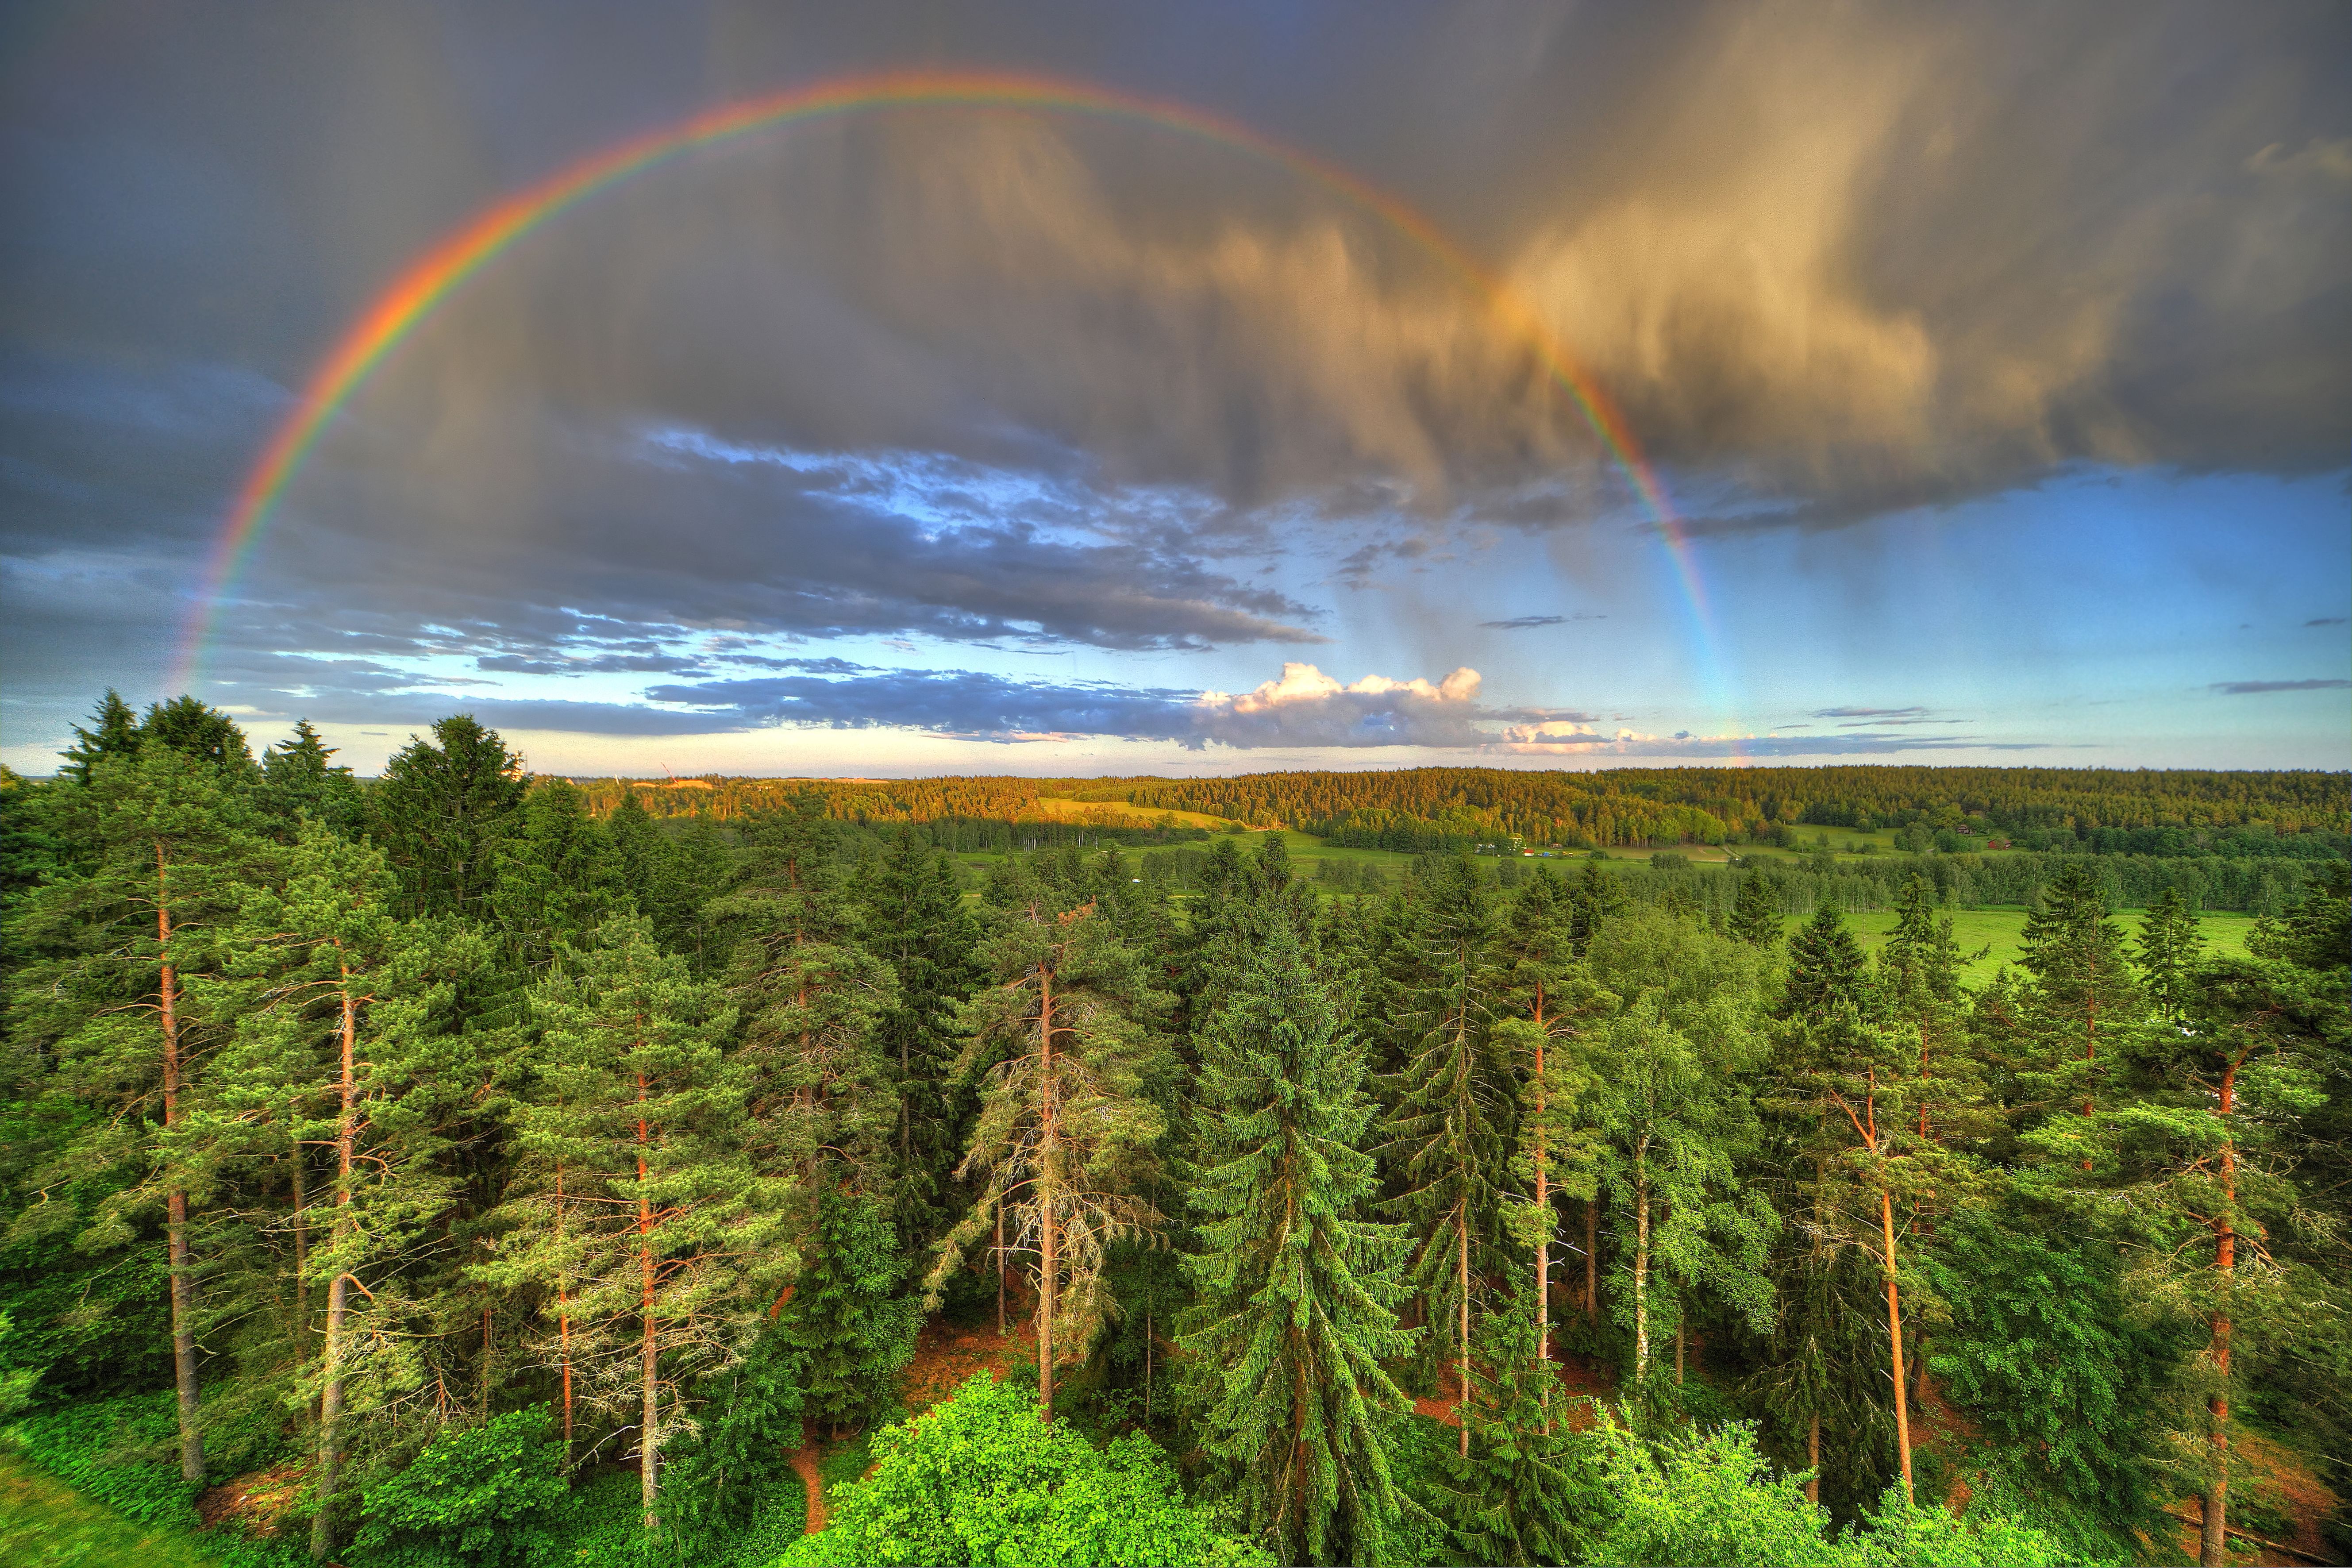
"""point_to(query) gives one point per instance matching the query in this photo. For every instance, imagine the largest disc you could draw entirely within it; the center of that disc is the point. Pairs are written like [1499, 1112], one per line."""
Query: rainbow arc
[444, 266]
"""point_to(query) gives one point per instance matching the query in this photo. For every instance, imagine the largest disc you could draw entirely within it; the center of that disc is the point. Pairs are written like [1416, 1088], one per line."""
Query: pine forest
[469, 1166]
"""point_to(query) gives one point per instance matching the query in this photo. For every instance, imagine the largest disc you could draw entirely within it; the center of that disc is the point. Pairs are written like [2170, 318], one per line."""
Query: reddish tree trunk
[183, 1289]
[2213, 1545]
[1049, 1198]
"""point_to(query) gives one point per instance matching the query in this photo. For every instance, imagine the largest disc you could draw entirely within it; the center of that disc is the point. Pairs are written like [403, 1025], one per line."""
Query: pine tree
[1453, 1125]
[1295, 1308]
[1066, 1139]
[641, 1215]
[345, 1036]
[1854, 1075]
[171, 846]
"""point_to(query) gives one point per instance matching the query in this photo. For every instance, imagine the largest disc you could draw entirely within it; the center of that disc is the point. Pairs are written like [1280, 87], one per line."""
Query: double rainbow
[438, 272]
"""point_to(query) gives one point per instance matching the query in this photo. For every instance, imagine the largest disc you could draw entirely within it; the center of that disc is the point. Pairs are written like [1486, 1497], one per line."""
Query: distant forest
[461, 1167]
[2181, 812]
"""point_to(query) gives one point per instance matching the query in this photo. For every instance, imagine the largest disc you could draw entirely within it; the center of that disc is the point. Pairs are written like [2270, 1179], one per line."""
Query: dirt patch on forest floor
[2278, 1477]
[804, 1466]
[257, 1502]
[947, 1354]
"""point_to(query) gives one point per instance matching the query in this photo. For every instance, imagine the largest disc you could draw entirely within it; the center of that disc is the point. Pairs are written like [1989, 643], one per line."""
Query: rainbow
[440, 270]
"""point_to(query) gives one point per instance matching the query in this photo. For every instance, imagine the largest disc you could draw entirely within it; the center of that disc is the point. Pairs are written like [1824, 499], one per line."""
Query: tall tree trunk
[649, 1387]
[1895, 1337]
[1813, 1458]
[1640, 1261]
[2090, 1059]
[2212, 1544]
[331, 1383]
[1543, 1236]
[563, 1316]
[1681, 1335]
[999, 1271]
[1592, 1258]
[302, 1199]
[1462, 1283]
[1048, 1194]
[184, 1287]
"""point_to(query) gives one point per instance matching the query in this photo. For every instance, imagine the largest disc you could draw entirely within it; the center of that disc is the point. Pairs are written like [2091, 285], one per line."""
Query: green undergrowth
[45, 1524]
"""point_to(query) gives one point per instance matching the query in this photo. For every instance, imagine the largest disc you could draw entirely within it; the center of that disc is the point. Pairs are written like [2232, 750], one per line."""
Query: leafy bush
[982, 1478]
[486, 1493]
[1710, 1498]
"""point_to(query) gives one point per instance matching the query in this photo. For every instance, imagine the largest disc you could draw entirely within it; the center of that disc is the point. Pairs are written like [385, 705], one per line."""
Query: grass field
[45, 1524]
[1998, 930]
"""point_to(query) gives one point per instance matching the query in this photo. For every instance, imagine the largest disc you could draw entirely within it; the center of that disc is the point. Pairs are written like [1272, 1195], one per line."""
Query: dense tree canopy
[497, 1159]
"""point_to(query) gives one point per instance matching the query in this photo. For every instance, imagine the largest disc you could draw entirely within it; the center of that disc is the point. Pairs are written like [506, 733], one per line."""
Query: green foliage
[1295, 1311]
[1710, 1498]
[720, 1475]
[982, 1478]
[486, 1493]
[119, 1451]
[848, 1323]
[2042, 1351]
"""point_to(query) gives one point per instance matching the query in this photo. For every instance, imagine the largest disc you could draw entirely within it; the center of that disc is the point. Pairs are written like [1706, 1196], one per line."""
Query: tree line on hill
[2171, 813]
[457, 1141]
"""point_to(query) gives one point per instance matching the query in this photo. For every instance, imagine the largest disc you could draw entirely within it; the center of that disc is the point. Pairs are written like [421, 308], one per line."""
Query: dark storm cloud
[1022, 381]
[2254, 687]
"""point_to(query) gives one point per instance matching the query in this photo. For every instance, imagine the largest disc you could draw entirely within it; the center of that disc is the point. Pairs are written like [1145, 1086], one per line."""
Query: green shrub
[1708, 1497]
[982, 1478]
[486, 1493]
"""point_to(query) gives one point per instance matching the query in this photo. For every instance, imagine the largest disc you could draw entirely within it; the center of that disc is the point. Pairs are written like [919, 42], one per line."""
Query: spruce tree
[2082, 982]
[813, 999]
[920, 927]
[1542, 987]
[115, 734]
[1756, 912]
[846, 1321]
[1451, 1131]
[299, 779]
[440, 810]
[1297, 1296]
[2168, 943]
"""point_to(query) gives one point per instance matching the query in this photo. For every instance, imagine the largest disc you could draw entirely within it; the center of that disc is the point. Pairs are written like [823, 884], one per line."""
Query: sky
[1985, 375]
